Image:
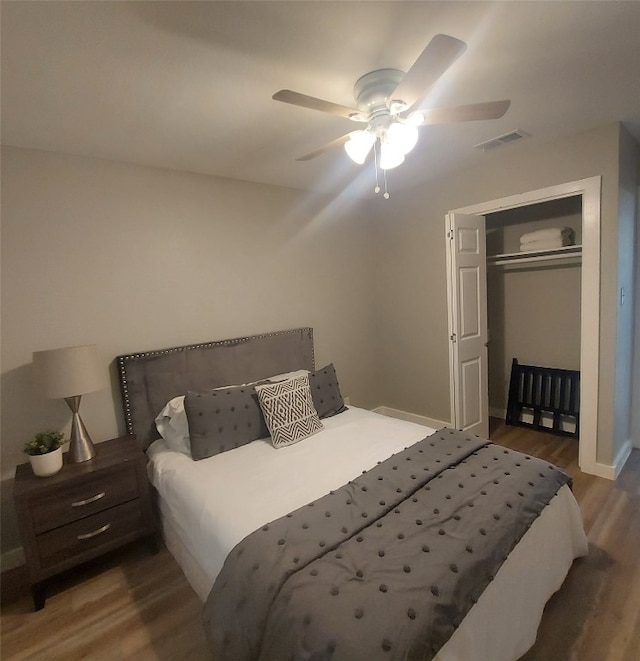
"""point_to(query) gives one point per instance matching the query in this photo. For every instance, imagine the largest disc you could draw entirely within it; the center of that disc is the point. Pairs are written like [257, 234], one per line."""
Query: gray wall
[629, 178]
[411, 280]
[635, 422]
[133, 258]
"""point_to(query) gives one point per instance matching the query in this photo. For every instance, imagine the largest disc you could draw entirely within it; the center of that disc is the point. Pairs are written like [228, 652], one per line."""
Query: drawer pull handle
[80, 503]
[99, 531]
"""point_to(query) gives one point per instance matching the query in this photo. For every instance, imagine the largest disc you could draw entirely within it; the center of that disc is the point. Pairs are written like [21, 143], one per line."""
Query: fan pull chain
[376, 190]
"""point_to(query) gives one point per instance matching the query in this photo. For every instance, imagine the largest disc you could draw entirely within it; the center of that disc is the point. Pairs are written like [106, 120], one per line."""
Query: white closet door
[467, 290]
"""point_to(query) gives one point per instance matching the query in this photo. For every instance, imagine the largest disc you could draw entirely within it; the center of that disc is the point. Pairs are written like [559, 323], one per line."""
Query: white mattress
[209, 506]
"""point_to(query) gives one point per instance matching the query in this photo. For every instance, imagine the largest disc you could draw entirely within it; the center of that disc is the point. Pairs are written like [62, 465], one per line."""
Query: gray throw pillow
[326, 392]
[223, 419]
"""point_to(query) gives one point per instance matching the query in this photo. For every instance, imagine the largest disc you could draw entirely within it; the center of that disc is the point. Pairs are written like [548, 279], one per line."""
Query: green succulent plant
[44, 442]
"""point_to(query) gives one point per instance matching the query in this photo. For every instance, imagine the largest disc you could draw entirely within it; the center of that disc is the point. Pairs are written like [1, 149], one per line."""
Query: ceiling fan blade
[469, 113]
[338, 142]
[297, 99]
[441, 52]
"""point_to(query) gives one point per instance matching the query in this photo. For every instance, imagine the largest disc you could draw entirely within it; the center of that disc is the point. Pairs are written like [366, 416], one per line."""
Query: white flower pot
[44, 465]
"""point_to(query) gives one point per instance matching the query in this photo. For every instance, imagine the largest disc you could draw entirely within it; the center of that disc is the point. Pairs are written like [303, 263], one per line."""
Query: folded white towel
[551, 244]
[551, 233]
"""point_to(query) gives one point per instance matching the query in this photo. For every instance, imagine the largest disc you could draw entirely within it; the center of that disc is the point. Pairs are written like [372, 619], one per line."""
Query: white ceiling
[188, 85]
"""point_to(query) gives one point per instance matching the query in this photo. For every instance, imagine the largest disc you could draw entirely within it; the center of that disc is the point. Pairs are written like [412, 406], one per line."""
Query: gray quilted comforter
[387, 566]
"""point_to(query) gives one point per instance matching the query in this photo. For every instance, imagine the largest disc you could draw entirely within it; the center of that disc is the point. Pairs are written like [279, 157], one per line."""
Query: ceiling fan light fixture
[416, 118]
[359, 145]
[385, 99]
[402, 136]
[391, 155]
[397, 106]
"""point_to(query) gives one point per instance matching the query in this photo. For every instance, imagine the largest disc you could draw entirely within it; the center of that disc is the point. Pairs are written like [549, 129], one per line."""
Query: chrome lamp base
[81, 447]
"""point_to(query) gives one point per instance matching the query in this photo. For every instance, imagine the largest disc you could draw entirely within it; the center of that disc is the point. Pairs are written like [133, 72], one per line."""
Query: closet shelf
[564, 253]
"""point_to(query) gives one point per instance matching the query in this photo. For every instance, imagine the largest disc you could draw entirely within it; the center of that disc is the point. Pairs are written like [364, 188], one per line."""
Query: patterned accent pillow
[326, 392]
[288, 410]
[223, 419]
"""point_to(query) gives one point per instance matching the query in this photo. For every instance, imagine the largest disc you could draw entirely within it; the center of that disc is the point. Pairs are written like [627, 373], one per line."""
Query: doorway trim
[590, 190]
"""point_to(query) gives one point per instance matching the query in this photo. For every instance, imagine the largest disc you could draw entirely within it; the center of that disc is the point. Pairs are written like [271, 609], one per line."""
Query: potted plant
[45, 452]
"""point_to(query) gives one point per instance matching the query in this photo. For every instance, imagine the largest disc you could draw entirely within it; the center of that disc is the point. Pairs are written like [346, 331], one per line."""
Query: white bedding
[210, 505]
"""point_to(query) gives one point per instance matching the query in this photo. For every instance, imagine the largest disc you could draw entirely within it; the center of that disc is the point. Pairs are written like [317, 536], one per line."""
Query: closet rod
[520, 258]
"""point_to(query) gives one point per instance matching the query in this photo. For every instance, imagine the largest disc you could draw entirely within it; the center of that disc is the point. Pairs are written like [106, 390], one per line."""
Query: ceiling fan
[388, 101]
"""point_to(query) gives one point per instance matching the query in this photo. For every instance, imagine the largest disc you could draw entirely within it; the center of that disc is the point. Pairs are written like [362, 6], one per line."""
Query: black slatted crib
[544, 398]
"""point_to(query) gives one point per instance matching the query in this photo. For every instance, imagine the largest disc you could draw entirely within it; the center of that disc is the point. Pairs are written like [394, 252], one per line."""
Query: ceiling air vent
[505, 139]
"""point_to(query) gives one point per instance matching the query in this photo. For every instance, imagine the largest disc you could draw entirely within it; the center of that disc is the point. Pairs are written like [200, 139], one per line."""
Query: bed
[215, 509]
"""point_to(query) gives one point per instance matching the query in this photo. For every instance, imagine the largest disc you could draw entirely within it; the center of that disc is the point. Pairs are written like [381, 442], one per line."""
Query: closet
[533, 297]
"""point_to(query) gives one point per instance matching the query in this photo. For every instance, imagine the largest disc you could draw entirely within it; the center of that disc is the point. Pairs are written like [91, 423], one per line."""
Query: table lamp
[70, 373]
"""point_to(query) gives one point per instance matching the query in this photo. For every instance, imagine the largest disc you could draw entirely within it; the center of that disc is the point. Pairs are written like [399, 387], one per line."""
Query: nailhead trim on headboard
[124, 360]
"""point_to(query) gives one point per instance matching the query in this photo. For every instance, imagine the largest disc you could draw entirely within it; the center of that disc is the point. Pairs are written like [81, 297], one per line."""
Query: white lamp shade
[403, 136]
[390, 155]
[69, 372]
[359, 145]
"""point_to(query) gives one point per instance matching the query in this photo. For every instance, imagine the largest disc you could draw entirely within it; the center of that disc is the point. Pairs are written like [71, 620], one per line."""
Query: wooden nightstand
[83, 511]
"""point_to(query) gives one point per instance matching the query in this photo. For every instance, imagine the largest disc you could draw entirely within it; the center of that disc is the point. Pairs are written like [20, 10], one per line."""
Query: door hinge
[452, 337]
[450, 234]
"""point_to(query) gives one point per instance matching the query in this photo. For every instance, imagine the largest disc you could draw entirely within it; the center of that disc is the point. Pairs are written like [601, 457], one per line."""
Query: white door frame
[590, 190]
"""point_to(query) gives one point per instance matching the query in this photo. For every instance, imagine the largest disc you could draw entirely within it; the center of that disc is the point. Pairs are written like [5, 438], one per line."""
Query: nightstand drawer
[84, 497]
[81, 537]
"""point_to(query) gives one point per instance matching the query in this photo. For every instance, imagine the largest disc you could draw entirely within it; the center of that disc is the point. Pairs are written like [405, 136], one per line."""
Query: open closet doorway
[466, 232]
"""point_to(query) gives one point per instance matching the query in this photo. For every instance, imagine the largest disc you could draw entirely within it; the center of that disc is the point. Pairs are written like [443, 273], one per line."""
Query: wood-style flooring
[132, 605]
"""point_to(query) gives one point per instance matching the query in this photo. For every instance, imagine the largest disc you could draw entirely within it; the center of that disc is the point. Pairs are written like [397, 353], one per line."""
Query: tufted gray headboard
[149, 379]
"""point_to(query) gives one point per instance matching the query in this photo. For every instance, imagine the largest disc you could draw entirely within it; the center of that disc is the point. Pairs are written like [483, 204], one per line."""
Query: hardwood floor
[134, 605]
[131, 606]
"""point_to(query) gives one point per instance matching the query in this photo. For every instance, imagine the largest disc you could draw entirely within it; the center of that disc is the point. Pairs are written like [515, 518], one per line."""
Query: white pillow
[286, 375]
[173, 426]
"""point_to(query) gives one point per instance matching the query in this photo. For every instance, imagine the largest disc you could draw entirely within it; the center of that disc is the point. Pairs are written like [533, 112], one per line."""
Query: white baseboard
[611, 471]
[12, 559]
[411, 417]
[621, 457]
